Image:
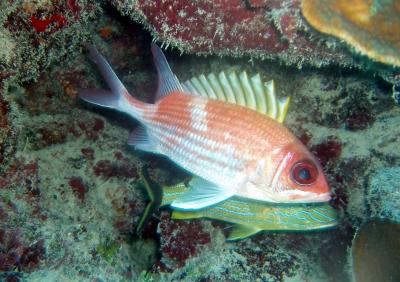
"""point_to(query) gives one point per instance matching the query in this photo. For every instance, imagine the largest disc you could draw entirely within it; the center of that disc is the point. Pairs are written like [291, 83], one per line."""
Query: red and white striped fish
[233, 150]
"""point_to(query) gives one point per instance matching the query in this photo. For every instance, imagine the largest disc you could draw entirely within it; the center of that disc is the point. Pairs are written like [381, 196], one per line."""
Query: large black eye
[304, 173]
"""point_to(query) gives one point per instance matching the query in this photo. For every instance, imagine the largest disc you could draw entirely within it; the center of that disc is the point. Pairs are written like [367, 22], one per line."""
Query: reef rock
[266, 29]
[384, 194]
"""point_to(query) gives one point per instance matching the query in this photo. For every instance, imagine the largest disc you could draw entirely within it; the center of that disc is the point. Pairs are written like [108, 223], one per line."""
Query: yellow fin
[186, 214]
[239, 89]
[283, 106]
[155, 194]
[170, 193]
[242, 231]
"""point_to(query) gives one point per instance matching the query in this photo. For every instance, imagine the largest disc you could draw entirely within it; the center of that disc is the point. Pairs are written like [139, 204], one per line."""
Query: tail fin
[100, 97]
[118, 98]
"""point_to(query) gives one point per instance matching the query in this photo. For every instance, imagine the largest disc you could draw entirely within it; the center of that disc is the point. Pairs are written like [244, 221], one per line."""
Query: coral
[371, 27]
[374, 254]
[267, 29]
[383, 194]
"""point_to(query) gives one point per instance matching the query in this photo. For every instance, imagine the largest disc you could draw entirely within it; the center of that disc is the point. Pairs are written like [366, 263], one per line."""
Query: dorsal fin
[240, 89]
[167, 80]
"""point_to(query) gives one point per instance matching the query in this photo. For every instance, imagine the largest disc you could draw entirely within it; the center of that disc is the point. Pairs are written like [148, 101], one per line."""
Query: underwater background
[71, 191]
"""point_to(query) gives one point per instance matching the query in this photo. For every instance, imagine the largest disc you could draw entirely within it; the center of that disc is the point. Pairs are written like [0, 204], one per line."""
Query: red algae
[109, 169]
[75, 8]
[15, 255]
[31, 256]
[327, 151]
[180, 239]
[77, 185]
[88, 153]
[243, 27]
[98, 124]
[51, 24]
[4, 108]
[92, 128]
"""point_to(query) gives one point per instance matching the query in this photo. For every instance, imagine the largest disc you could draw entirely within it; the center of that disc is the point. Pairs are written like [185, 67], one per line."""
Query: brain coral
[372, 27]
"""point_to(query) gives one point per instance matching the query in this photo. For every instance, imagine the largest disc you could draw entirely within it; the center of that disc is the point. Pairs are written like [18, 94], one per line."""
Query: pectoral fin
[202, 194]
[242, 231]
[141, 140]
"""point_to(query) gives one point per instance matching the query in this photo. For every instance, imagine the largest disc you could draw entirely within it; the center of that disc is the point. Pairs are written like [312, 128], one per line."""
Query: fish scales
[233, 150]
[195, 133]
[189, 152]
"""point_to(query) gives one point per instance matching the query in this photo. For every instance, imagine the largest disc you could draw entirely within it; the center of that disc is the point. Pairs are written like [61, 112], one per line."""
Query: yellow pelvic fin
[242, 231]
[242, 90]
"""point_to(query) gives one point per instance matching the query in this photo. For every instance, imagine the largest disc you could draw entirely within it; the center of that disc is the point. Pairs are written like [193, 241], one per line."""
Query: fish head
[300, 177]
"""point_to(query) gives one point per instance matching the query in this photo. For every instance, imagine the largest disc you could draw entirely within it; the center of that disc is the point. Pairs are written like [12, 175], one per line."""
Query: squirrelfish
[248, 217]
[215, 131]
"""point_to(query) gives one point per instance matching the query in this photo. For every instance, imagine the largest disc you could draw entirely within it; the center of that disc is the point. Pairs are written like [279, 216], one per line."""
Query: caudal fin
[100, 97]
[116, 86]
[117, 97]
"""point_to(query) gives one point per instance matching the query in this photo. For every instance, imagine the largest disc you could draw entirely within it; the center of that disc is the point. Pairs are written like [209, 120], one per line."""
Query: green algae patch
[108, 249]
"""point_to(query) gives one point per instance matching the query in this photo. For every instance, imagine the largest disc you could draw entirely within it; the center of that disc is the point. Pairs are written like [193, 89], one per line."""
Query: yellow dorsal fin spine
[208, 88]
[215, 84]
[199, 87]
[259, 94]
[226, 86]
[248, 91]
[283, 106]
[241, 90]
[271, 99]
[237, 89]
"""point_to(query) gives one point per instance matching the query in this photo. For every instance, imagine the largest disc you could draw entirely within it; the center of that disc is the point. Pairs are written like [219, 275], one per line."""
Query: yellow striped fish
[250, 217]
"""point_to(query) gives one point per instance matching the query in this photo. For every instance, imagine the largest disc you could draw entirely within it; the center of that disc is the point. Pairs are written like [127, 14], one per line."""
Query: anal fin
[141, 140]
[202, 194]
[241, 232]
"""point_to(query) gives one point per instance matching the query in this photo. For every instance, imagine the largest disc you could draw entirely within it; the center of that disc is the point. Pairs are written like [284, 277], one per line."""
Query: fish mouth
[303, 197]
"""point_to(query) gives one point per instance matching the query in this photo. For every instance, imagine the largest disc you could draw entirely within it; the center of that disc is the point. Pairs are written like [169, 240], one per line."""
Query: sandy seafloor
[70, 196]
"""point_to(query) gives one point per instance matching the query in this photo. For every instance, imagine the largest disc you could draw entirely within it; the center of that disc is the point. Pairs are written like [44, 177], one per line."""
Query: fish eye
[304, 172]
